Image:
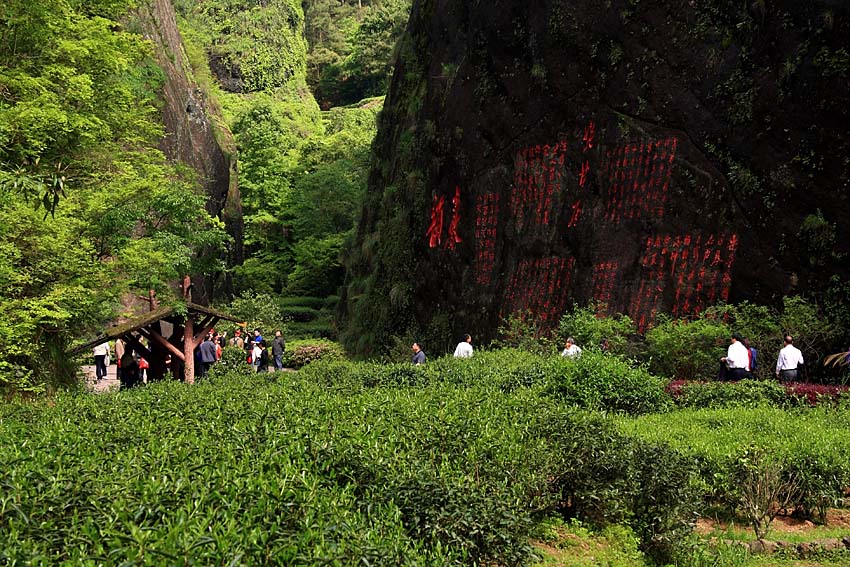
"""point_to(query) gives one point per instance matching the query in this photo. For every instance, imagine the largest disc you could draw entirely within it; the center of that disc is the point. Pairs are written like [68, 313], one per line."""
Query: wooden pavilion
[169, 331]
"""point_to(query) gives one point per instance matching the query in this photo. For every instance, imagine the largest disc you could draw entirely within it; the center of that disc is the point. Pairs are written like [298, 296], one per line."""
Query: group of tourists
[741, 360]
[463, 350]
[256, 350]
[131, 368]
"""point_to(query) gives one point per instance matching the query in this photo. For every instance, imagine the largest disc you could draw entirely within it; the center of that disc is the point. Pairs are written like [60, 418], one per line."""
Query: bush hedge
[810, 445]
[237, 471]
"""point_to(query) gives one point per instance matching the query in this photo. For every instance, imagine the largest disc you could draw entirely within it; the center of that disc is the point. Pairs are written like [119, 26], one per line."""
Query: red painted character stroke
[435, 229]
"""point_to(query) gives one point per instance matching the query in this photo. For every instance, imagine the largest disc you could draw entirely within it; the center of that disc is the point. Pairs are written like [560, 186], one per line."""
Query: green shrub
[812, 445]
[745, 393]
[590, 328]
[301, 301]
[318, 329]
[299, 314]
[302, 352]
[687, 350]
[605, 382]
[233, 362]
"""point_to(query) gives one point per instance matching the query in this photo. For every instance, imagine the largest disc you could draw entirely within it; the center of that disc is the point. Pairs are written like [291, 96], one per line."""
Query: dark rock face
[191, 133]
[652, 157]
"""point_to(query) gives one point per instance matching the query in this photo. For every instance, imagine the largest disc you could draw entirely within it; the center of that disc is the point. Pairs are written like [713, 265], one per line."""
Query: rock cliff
[652, 157]
[193, 132]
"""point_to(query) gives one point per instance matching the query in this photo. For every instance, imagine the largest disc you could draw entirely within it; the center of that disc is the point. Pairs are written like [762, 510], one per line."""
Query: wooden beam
[160, 340]
[208, 324]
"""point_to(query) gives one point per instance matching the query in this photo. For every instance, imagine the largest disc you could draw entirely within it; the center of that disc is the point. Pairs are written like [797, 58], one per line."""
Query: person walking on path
[736, 364]
[571, 349]
[418, 354]
[789, 360]
[101, 352]
[278, 348]
[464, 348]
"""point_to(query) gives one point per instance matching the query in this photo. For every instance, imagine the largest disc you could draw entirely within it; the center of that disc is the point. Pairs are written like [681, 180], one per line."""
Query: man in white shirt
[571, 349]
[101, 352]
[790, 358]
[737, 359]
[464, 348]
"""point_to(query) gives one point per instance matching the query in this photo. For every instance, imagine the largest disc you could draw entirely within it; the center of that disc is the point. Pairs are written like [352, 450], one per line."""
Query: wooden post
[189, 351]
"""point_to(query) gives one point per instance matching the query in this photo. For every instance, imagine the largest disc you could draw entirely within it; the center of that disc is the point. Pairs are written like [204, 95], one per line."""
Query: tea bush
[251, 471]
[302, 352]
[745, 393]
[687, 350]
[811, 444]
[594, 381]
[605, 382]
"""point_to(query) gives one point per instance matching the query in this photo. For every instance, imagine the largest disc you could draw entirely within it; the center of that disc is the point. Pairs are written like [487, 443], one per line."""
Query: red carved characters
[537, 172]
[453, 237]
[435, 228]
[487, 218]
[604, 278]
[639, 179]
[698, 270]
[541, 287]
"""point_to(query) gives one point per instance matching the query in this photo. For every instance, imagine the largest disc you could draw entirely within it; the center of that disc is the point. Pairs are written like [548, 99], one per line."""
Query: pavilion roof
[165, 313]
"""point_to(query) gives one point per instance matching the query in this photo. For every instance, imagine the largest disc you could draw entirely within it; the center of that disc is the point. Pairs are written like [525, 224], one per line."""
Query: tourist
[278, 348]
[101, 354]
[418, 354]
[789, 361]
[208, 354]
[263, 362]
[256, 355]
[464, 347]
[754, 354]
[736, 364]
[571, 349]
[237, 339]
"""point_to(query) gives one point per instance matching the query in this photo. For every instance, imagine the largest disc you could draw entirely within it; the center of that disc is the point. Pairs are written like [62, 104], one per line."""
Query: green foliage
[523, 331]
[299, 353]
[254, 46]
[811, 445]
[436, 476]
[687, 350]
[232, 363]
[259, 311]
[589, 327]
[606, 382]
[79, 120]
[351, 47]
[745, 393]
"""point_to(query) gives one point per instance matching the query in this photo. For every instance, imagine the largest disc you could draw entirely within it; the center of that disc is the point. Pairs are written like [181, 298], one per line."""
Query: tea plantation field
[455, 463]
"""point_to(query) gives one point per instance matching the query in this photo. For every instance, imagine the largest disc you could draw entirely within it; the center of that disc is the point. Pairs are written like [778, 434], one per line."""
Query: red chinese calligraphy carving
[575, 213]
[540, 287]
[696, 270]
[638, 178]
[604, 278]
[538, 171]
[487, 218]
[453, 237]
[435, 228]
[589, 134]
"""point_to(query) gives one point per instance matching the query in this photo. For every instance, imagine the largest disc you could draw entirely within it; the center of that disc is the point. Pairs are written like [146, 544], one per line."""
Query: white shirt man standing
[464, 348]
[737, 359]
[790, 358]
